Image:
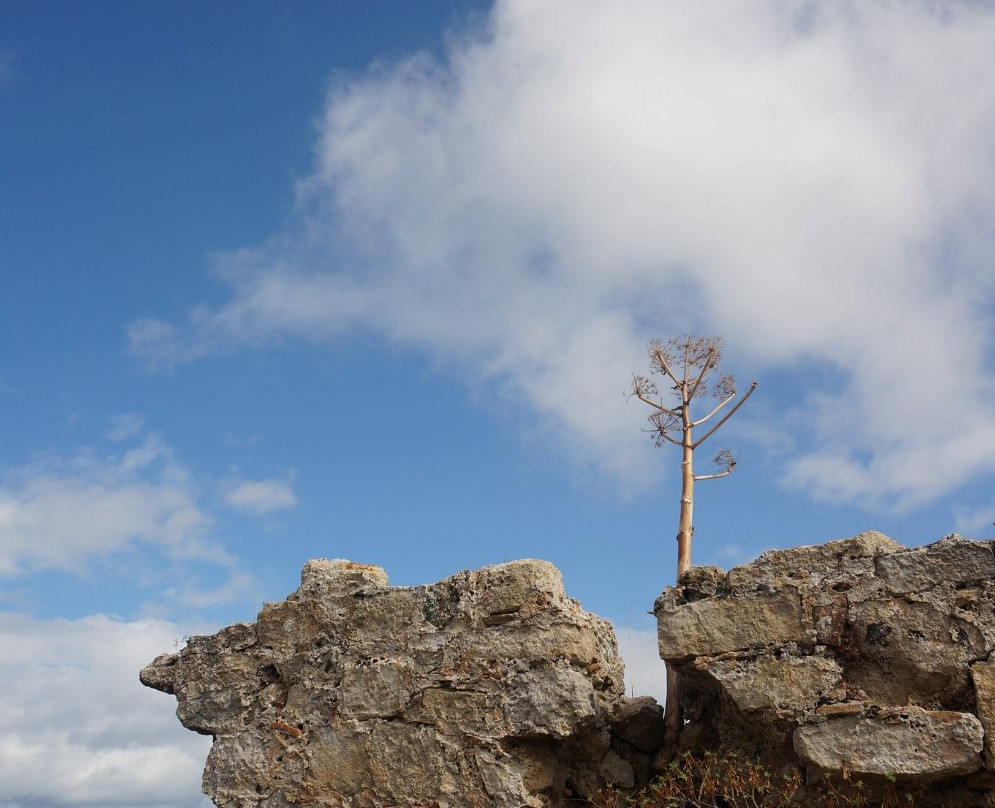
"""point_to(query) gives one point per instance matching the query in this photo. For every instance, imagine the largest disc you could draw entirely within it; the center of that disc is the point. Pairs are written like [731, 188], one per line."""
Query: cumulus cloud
[260, 496]
[77, 728]
[60, 512]
[814, 181]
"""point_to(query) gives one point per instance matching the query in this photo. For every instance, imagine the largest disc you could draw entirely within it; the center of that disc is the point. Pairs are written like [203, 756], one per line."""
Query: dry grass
[728, 781]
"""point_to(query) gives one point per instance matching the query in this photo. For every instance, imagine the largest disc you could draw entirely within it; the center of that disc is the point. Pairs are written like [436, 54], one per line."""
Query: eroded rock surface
[859, 655]
[490, 688]
[906, 740]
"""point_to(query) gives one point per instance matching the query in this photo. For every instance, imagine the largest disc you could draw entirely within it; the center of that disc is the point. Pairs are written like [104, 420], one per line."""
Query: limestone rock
[640, 722]
[708, 627]
[776, 683]
[983, 676]
[490, 688]
[906, 742]
[859, 654]
[843, 557]
[952, 560]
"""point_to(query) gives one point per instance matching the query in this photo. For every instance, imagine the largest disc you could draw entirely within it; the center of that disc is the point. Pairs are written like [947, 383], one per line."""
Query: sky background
[285, 280]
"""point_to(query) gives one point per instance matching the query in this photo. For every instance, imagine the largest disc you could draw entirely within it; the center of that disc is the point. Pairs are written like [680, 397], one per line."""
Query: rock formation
[859, 655]
[490, 688]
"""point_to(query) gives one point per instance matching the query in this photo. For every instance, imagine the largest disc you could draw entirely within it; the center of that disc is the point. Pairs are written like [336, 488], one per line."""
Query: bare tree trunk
[673, 722]
[673, 714]
[685, 529]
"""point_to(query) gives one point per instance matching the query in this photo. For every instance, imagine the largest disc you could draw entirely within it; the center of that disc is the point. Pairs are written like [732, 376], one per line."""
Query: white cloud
[60, 512]
[814, 181]
[645, 672]
[238, 586]
[125, 425]
[260, 496]
[975, 522]
[733, 554]
[76, 726]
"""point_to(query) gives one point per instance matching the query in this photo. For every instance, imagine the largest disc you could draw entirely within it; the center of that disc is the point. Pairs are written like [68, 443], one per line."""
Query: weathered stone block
[983, 676]
[717, 626]
[284, 626]
[455, 711]
[388, 623]
[338, 576]
[549, 701]
[906, 742]
[911, 652]
[336, 761]
[239, 764]
[406, 761]
[772, 683]
[799, 564]
[377, 690]
[953, 559]
[640, 722]
[564, 641]
[515, 590]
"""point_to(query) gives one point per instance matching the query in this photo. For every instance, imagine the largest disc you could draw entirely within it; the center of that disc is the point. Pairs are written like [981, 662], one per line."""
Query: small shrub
[729, 781]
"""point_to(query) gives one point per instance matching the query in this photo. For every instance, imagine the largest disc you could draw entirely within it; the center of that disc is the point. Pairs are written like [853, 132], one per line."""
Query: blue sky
[285, 280]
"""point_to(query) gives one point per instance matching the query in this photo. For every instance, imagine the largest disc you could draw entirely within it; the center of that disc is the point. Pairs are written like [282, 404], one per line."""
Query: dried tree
[688, 364]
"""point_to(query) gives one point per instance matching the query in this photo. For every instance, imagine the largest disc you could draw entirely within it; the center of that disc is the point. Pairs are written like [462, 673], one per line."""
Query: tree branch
[706, 368]
[652, 403]
[658, 353]
[719, 407]
[716, 476]
[725, 418]
[661, 434]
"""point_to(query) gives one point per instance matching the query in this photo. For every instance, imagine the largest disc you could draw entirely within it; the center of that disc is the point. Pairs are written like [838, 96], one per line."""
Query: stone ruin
[490, 688]
[859, 655]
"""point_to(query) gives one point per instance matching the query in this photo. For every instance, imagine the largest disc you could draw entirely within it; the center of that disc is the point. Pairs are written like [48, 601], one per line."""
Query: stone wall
[490, 688]
[493, 688]
[859, 655]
